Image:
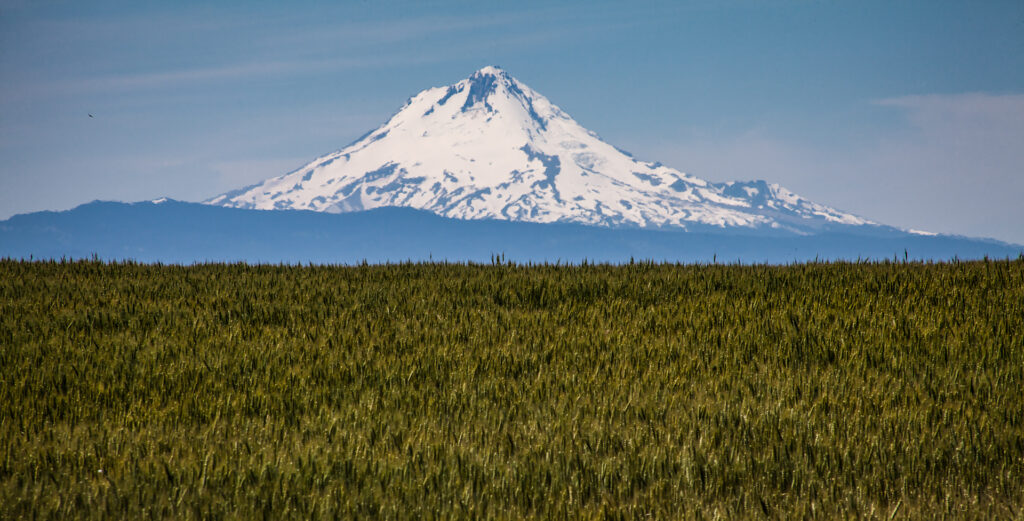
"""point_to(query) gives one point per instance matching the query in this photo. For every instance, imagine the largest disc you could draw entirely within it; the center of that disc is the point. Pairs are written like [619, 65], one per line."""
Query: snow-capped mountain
[490, 147]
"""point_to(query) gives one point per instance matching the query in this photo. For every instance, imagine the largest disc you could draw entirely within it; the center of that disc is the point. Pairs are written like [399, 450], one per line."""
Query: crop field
[442, 391]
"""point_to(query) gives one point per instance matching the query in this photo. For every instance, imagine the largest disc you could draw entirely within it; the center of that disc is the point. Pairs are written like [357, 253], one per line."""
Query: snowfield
[490, 147]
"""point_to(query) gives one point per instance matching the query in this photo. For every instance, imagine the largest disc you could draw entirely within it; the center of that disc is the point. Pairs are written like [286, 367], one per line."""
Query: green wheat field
[445, 391]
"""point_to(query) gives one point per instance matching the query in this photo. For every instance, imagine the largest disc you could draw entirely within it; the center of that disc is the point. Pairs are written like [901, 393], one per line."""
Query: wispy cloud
[301, 46]
[374, 33]
[952, 164]
[229, 71]
[967, 104]
[968, 122]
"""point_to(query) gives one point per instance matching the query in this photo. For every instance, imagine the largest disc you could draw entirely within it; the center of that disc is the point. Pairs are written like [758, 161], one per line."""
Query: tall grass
[508, 392]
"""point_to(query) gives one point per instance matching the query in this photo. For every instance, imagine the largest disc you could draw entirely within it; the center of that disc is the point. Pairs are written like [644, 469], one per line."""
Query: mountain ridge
[178, 232]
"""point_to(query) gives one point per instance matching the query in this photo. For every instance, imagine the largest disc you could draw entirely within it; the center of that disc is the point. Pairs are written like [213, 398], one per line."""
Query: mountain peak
[482, 84]
[490, 70]
[490, 147]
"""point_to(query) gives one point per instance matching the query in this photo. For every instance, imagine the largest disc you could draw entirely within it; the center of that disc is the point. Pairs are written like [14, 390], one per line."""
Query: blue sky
[908, 113]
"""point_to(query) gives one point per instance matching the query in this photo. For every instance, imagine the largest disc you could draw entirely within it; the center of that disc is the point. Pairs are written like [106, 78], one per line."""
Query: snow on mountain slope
[489, 147]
